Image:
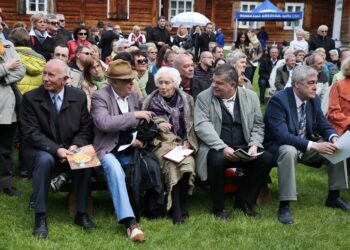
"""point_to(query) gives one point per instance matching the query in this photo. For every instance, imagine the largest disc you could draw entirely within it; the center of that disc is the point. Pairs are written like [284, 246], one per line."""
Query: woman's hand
[186, 144]
[12, 64]
[165, 127]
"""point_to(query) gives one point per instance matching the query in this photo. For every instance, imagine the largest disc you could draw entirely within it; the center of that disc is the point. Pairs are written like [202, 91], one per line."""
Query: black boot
[183, 196]
[176, 212]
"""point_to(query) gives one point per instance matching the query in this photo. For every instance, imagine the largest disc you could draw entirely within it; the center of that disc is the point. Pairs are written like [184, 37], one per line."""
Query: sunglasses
[54, 23]
[325, 31]
[62, 20]
[87, 53]
[82, 34]
[142, 61]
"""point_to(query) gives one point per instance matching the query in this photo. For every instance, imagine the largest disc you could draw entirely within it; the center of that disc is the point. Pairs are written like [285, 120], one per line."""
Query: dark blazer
[45, 49]
[38, 123]
[282, 76]
[265, 68]
[203, 43]
[108, 121]
[281, 122]
[159, 35]
[106, 43]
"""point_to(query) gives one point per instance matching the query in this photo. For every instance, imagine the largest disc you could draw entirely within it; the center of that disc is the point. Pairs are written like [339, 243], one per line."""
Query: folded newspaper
[244, 156]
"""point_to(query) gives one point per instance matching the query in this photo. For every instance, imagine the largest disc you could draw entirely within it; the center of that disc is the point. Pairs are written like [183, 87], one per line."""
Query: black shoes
[338, 203]
[246, 209]
[11, 191]
[83, 220]
[222, 215]
[285, 216]
[40, 227]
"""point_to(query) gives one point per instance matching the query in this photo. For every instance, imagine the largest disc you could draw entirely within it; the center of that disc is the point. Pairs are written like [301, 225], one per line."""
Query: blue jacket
[281, 122]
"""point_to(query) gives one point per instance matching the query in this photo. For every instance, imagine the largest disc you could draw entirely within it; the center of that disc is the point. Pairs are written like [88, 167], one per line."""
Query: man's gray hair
[229, 72]
[300, 73]
[323, 26]
[120, 42]
[234, 56]
[51, 17]
[310, 60]
[172, 72]
[289, 56]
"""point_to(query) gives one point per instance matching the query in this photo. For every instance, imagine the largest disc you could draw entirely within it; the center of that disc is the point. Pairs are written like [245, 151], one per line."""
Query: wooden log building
[128, 13]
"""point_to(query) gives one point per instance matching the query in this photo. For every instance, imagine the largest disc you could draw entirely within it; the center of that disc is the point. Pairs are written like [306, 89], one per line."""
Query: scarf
[41, 36]
[254, 39]
[98, 81]
[143, 80]
[171, 110]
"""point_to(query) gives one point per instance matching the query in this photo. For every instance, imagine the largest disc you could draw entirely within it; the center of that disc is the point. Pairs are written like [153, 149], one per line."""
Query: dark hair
[79, 49]
[62, 46]
[298, 51]
[216, 47]
[238, 41]
[19, 37]
[137, 53]
[161, 17]
[78, 29]
[126, 56]
[228, 71]
[160, 55]
[218, 60]
[88, 64]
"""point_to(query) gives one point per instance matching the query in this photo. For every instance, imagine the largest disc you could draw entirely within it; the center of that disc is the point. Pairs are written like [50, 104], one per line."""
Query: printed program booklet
[244, 156]
[84, 157]
[178, 154]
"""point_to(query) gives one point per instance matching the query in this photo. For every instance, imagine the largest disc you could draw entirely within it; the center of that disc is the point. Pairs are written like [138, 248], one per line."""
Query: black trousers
[256, 174]
[44, 163]
[7, 137]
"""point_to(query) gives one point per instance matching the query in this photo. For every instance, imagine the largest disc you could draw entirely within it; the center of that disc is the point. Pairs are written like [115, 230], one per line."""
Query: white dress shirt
[122, 104]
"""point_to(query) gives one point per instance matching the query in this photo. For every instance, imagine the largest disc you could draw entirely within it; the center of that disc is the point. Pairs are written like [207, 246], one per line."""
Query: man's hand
[334, 139]
[62, 154]
[229, 154]
[12, 64]
[324, 147]
[253, 150]
[137, 144]
[72, 148]
[164, 127]
[147, 115]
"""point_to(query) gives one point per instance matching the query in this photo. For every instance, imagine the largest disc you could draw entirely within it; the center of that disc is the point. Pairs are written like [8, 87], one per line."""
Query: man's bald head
[184, 64]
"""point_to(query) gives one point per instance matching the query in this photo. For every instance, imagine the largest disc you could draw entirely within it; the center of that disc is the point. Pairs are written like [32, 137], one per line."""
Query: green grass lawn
[316, 227]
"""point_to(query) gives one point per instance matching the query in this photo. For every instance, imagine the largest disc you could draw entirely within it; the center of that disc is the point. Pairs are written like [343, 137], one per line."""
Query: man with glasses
[322, 41]
[297, 131]
[115, 112]
[52, 29]
[203, 72]
[67, 35]
[81, 53]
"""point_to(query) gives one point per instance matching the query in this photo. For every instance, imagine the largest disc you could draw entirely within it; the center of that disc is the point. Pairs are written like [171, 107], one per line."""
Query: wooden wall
[345, 22]
[144, 13]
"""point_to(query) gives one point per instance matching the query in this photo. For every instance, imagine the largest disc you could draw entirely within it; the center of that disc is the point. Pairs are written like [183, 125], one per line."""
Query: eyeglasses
[87, 53]
[82, 34]
[62, 20]
[324, 31]
[142, 61]
[54, 23]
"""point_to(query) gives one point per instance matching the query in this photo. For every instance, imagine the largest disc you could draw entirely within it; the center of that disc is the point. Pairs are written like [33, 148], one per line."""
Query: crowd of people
[60, 91]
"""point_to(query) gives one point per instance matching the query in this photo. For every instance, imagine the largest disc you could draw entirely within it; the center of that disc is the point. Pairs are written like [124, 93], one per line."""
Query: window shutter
[21, 7]
[118, 9]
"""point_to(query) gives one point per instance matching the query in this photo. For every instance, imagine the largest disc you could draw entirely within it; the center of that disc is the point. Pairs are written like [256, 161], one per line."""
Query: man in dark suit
[55, 122]
[294, 124]
[204, 39]
[283, 73]
[159, 35]
[265, 69]
[106, 40]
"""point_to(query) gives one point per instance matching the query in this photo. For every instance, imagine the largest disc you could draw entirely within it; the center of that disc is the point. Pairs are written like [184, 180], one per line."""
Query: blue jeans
[115, 176]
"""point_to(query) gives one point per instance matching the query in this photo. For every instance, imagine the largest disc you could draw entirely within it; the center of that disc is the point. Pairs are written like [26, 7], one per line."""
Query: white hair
[172, 72]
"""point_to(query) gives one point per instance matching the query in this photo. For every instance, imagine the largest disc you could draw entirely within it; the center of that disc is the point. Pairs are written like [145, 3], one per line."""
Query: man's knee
[287, 151]
[111, 166]
[44, 160]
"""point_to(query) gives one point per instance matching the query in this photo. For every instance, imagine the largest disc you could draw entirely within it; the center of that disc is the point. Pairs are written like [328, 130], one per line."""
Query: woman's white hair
[172, 72]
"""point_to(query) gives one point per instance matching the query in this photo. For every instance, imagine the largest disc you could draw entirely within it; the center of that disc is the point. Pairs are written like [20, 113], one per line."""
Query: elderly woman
[174, 116]
[80, 35]
[41, 42]
[238, 60]
[136, 37]
[144, 78]
[339, 101]
[94, 77]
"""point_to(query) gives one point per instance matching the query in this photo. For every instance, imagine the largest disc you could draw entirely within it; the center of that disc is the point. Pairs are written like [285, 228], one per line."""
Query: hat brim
[122, 77]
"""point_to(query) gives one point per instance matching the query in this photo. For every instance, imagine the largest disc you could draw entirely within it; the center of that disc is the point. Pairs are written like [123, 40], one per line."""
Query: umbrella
[189, 19]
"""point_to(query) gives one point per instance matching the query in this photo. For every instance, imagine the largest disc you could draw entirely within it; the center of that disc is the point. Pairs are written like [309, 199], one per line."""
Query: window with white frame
[247, 6]
[292, 7]
[118, 9]
[177, 6]
[35, 6]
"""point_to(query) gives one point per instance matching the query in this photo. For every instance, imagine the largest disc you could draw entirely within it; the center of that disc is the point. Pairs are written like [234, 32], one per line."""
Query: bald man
[204, 72]
[55, 122]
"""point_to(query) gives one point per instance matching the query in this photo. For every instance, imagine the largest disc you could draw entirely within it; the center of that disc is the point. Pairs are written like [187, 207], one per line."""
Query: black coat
[322, 42]
[45, 49]
[38, 124]
[106, 43]
[159, 35]
[265, 68]
[202, 43]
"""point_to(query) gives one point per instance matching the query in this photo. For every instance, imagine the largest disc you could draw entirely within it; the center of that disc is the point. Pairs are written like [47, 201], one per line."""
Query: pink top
[73, 45]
